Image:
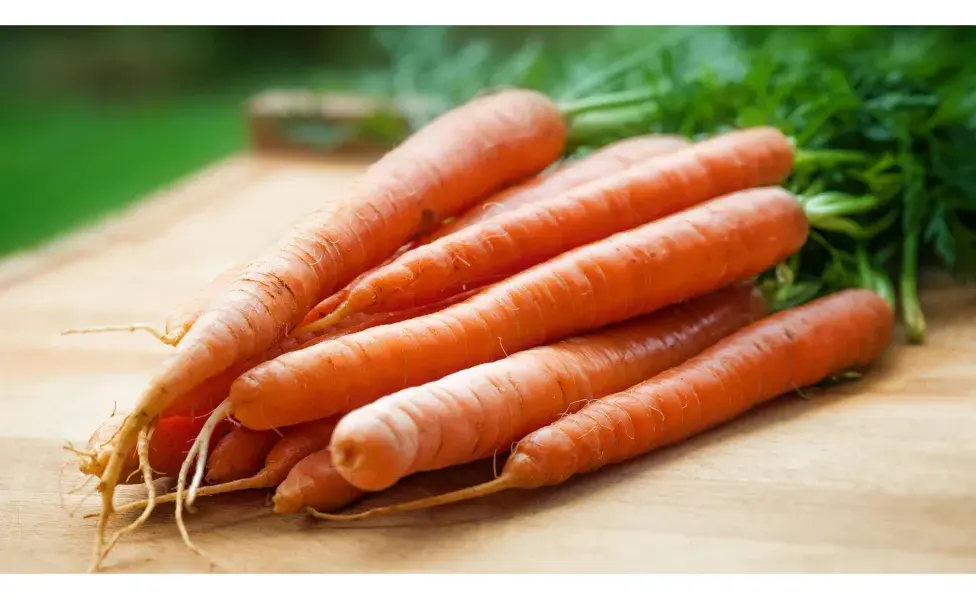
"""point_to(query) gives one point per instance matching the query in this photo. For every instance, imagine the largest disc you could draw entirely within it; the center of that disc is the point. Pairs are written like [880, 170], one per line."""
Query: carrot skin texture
[299, 441]
[241, 453]
[314, 482]
[515, 240]
[613, 157]
[784, 352]
[632, 273]
[479, 411]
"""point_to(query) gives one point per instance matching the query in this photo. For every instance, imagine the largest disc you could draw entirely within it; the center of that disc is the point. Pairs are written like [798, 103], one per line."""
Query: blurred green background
[94, 117]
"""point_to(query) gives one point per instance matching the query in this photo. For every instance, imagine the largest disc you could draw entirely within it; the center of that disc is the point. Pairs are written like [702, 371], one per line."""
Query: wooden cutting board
[876, 475]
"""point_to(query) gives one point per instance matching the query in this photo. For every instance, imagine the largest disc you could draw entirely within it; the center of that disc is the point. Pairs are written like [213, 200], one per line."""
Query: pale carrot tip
[165, 338]
[340, 313]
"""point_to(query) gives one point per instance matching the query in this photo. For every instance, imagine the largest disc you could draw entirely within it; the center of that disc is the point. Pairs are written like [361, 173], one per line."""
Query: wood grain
[876, 475]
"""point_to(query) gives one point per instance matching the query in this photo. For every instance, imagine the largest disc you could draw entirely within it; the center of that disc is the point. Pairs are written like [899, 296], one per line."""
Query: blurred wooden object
[307, 122]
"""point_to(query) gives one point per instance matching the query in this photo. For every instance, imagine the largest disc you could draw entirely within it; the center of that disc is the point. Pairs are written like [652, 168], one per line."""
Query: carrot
[514, 240]
[297, 443]
[611, 158]
[477, 412]
[632, 273]
[241, 453]
[314, 483]
[460, 157]
[776, 355]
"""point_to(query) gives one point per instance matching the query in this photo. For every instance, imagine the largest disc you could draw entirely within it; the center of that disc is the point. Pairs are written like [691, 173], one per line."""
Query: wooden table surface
[877, 475]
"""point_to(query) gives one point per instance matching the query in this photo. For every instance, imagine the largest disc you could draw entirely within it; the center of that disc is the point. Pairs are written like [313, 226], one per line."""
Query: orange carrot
[457, 159]
[609, 159]
[477, 412]
[240, 454]
[782, 353]
[314, 483]
[297, 443]
[515, 240]
[629, 274]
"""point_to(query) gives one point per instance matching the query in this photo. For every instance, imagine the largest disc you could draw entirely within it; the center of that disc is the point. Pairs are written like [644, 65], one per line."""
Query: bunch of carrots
[471, 295]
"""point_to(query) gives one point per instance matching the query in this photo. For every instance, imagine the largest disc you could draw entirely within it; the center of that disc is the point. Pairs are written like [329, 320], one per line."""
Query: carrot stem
[607, 101]
[911, 309]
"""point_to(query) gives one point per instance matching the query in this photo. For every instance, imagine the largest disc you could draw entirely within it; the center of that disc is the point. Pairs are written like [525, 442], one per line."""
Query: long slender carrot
[514, 240]
[632, 273]
[474, 413]
[240, 454]
[457, 159]
[779, 354]
[314, 483]
[297, 443]
[609, 159]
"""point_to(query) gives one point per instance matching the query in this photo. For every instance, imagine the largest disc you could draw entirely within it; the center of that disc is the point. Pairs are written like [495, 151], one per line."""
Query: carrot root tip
[340, 313]
[166, 338]
[143, 452]
[477, 491]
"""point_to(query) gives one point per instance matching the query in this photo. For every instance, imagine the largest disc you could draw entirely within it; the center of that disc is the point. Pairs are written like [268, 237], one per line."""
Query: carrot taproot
[240, 454]
[314, 483]
[515, 240]
[688, 254]
[784, 352]
[477, 412]
[297, 443]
